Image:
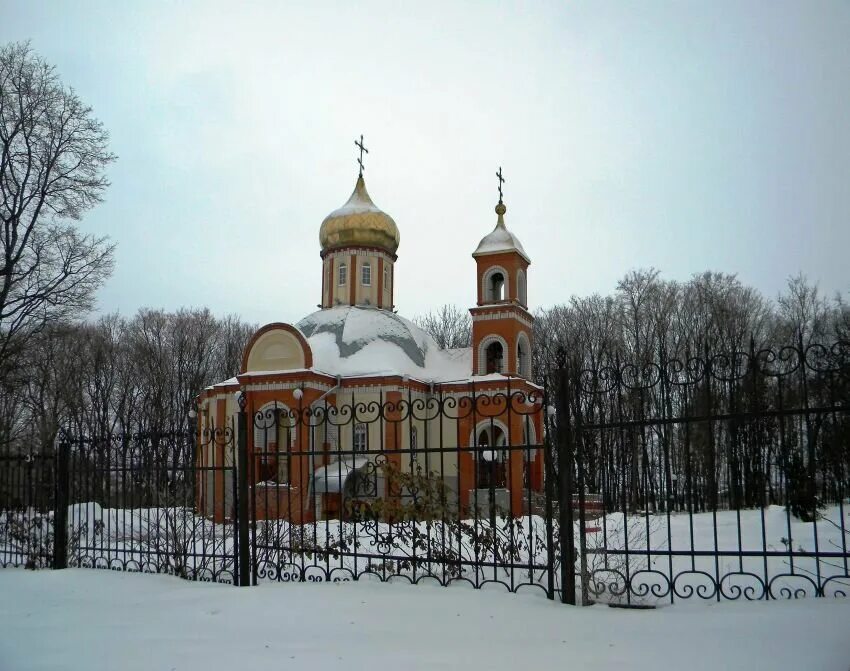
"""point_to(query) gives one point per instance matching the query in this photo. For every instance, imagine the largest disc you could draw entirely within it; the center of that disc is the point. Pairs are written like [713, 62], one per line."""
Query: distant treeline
[115, 375]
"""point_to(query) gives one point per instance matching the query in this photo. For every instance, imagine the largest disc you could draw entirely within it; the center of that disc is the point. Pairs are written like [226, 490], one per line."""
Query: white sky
[684, 135]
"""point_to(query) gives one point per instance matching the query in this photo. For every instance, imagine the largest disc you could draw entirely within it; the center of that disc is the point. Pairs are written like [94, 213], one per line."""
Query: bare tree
[53, 154]
[448, 326]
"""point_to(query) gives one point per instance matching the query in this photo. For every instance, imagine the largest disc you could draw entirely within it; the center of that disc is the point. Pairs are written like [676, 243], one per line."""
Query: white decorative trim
[284, 386]
[486, 423]
[502, 315]
[359, 252]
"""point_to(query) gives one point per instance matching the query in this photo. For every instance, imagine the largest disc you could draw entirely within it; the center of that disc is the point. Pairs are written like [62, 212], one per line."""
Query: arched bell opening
[494, 356]
[523, 356]
[494, 285]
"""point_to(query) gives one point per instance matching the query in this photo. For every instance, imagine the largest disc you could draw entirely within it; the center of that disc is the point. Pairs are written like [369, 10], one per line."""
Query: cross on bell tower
[501, 181]
[362, 149]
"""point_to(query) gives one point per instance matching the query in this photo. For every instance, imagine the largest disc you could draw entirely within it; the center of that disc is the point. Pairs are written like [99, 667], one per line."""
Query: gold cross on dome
[501, 181]
[362, 149]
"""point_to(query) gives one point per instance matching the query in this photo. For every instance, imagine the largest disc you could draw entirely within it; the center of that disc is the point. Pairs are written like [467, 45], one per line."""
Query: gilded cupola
[359, 223]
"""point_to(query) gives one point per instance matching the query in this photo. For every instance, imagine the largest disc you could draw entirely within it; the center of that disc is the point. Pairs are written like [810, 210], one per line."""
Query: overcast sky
[683, 135]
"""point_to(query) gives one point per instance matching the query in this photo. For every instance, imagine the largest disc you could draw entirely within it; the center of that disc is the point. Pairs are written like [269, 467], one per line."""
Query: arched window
[494, 355]
[386, 278]
[274, 433]
[343, 273]
[361, 438]
[520, 288]
[366, 274]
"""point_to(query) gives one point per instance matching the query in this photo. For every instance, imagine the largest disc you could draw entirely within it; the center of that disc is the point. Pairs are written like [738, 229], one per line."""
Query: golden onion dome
[359, 223]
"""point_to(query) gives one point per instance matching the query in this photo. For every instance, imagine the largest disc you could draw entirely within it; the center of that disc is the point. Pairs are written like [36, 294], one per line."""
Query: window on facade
[366, 274]
[343, 273]
[386, 278]
[493, 358]
[273, 435]
[361, 438]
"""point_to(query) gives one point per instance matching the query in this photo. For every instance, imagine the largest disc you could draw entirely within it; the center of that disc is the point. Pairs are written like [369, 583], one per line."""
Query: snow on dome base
[353, 340]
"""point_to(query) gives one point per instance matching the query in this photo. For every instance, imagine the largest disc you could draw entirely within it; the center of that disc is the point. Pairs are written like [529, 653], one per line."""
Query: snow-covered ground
[770, 533]
[177, 541]
[93, 620]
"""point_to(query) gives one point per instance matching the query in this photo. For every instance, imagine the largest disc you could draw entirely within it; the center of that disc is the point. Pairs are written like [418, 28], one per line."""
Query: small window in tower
[361, 437]
[343, 273]
[386, 278]
[366, 274]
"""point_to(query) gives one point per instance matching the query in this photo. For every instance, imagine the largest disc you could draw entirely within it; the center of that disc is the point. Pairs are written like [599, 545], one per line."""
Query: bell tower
[502, 326]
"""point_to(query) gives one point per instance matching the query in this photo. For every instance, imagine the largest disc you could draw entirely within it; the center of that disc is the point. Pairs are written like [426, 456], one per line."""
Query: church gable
[277, 347]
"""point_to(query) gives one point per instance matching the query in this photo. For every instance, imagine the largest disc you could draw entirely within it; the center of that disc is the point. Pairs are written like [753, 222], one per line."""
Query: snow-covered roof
[500, 239]
[358, 203]
[360, 340]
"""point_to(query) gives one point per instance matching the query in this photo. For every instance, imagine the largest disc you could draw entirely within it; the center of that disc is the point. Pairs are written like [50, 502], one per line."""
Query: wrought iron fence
[27, 503]
[124, 502]
[721, 476]
[717, 476]
[439, 487]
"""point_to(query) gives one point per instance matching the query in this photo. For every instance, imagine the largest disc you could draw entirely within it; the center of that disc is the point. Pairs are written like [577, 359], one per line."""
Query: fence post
[578, 453]
[60, 502]
[242, 497]
[565, 472]
[549, 485]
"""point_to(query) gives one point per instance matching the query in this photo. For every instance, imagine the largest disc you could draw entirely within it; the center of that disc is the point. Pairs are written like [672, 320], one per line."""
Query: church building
[354, 385]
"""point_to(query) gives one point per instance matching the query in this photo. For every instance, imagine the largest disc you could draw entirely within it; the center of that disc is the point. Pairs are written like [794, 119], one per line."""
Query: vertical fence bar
[549, 488]
[579, 453]
[565, 471]
[243, 546]
[60, 503]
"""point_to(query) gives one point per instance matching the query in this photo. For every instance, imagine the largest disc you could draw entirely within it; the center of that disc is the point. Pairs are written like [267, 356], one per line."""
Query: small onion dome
[359, 223]
[500, 239]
